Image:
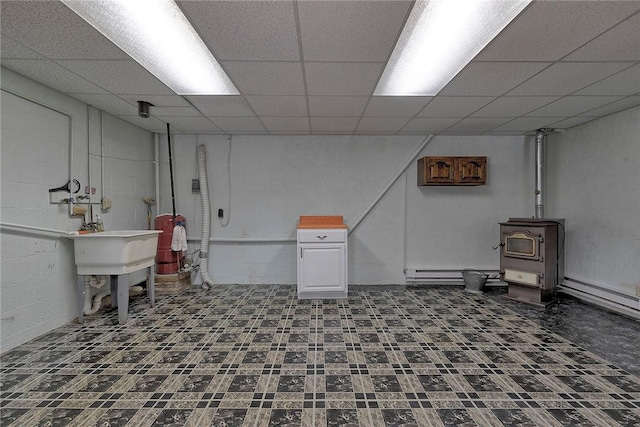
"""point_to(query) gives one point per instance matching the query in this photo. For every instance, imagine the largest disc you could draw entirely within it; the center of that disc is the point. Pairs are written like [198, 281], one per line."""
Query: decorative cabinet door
[436, 170]
[472, 170]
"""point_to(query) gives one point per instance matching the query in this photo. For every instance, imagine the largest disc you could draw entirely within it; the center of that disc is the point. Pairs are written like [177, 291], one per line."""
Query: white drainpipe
[93, 282]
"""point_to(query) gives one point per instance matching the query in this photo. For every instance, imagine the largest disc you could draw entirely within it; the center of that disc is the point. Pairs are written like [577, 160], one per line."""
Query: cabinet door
[321, 268]
[436, 170]
[472, 170]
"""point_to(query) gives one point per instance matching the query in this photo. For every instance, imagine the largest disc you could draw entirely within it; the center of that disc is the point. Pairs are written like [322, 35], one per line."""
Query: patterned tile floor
[256, 356]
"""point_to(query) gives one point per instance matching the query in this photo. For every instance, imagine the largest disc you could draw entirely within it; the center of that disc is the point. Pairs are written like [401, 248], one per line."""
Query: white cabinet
[322, 263]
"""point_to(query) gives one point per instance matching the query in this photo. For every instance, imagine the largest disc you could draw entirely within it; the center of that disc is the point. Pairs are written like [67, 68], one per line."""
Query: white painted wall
[38, 291]
[594, 182]
[275, 179]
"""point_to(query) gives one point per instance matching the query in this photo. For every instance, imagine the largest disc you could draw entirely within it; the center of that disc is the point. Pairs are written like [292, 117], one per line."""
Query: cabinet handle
[321, 237]
[300, 252]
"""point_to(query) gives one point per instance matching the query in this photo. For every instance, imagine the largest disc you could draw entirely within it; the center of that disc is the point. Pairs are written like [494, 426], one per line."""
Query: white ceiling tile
[157, 100]
[55, 31]
[118, 76]
[333, 124]
[11, 49]
[151, 124]
[246, 30]
[428, 124]
[342, 78]
[513, 106]
[386, 125]
[51, 74]
[111, 103]
[239, 124]
[337, 105]
[395, 106]
[621, 43]
[567, 77]
[572, 106]
[571, 122]
[626, 82]
[451, 106]
[279, 106]
[614, 107]
[549, 30]
[477, 124]
[223, 106]
[350, 30]
[175, 111]
[526, 124]
[289, 124]
[491, 78]
[189, 124]
[266, 78]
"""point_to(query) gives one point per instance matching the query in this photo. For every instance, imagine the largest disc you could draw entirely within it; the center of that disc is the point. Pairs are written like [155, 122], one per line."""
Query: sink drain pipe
[207, 282]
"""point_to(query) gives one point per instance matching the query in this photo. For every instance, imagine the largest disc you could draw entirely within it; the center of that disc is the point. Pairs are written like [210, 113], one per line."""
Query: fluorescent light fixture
[159, 37]
[439, 39]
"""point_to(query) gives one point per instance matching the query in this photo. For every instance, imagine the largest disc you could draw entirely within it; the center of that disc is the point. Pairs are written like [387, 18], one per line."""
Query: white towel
[179, 239]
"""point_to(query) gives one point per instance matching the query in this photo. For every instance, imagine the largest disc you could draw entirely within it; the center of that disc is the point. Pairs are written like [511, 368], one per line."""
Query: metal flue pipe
[540, 170]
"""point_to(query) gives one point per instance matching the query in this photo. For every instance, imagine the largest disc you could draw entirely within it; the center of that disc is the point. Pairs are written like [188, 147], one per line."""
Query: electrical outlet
[195, 185]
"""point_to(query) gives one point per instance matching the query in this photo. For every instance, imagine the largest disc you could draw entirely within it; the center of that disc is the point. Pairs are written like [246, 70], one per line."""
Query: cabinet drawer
[317, 235]
[523, 277]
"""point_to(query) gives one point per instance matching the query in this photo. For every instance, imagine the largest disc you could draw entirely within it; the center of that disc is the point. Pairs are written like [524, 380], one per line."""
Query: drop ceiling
[310, 67]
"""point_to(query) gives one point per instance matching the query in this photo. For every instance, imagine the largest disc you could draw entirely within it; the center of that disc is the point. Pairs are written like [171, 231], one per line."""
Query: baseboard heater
[447, 277]
[608, 298]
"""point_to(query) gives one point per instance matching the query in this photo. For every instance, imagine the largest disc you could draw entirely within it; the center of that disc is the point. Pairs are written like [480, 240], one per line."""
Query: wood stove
[531, 258]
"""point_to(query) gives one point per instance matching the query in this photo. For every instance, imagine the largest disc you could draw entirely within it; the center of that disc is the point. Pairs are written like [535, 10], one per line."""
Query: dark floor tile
[229, 418]
[116, 417]
[342, 417]
[571, 418]
[285, 417]
[172, 417]
[456, 417]
[513, 418]
[398, 417]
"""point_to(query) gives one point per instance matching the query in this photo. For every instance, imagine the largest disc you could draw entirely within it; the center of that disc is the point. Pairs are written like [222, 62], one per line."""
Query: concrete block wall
[275, 179]
[594, 182]
[37, 276]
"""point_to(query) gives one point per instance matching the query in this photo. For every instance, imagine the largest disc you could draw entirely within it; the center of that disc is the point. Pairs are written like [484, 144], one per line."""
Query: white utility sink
[115, 252]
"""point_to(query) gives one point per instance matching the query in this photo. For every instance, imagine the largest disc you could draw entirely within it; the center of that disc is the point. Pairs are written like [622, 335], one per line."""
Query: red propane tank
[167, 261]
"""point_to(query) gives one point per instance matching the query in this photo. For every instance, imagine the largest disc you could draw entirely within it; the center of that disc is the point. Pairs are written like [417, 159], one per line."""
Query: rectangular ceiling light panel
[159, 37]
[439, 39]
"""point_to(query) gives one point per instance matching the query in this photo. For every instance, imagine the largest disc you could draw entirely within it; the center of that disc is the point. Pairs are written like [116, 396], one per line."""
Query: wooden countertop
[321, 221]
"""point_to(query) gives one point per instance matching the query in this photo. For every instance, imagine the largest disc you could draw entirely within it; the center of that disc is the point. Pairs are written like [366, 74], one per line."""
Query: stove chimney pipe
[540, 170]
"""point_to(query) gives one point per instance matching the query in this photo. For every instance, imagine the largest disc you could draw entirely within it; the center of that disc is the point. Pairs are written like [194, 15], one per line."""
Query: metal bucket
[474, 280]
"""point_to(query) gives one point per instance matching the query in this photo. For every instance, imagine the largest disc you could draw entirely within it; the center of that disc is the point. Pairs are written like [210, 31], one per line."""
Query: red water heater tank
[167, 261]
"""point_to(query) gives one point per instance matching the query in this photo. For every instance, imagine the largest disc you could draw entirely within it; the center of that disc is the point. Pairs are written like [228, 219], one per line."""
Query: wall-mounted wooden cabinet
[448, 170]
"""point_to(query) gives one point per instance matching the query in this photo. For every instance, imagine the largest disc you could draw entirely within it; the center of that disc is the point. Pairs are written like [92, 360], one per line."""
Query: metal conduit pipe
[540, 171]
[384, 191]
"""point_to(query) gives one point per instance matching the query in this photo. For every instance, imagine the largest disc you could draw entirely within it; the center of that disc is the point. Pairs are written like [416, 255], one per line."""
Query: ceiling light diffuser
[439, 39]
[157, 35]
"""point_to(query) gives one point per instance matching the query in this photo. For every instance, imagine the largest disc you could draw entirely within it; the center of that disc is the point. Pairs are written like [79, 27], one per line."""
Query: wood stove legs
[530, 295]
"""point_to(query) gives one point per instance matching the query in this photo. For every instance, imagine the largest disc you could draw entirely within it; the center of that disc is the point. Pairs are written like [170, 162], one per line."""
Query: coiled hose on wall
[207, 282]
